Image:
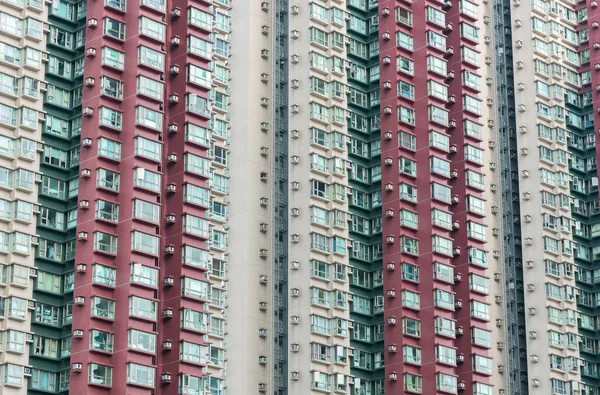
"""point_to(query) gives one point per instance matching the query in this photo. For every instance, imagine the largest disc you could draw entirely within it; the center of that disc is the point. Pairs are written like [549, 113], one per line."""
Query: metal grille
[515, 332]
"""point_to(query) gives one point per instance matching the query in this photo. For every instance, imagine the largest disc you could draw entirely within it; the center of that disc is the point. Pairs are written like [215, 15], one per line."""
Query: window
[437, 89]
[114, 28]
[100, 340]
[103, 308]
[195, 288]
[469, 55]
[146, 211]
[445, 382]
[99, 374]
[104, 275]
[194, 320]
[438, 115]
[144, 242]
[481, 337]
[320, 324]
[411, 354]
[200, 47]
[441, 245]
[142, 274]
[405, 64]
[443, 299]
[478, 283]
[191, 385]
[46, 314]
[480, 310]
[477, 256]
[411, 299]
[15, 341]
[471, 104]
[411, 326]
[197, 134]
[149, 87]
[437, 65]
[151, 28]
[49, 282]
[474, 179]
[436, 40]
[413, 383]
[468, 31]
[109, 148]
[445, 327]
[147, 117]
[13, 374]
[151, 58]
[406, 114]
[445, 354]
[148, 148]
[140, 374]
[485, 389]
[436, 16]
[198, 75]
[192, 352]
[143, 308]
[476, 230]
[482, 364]
[196, 164]
[409, 218]
[113, 58]
[111, 118]
[404, 40]
[440, 192]
[106, 210]
[146, 179]
[105, 242]
[200, 18]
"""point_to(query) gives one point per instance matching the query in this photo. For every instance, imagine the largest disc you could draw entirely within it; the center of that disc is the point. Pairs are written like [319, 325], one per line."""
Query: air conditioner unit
[295, 320]
[265, 6]
[92, 23]
[77, 366]
[81, 267]
[168, 312]
[294, 265]
[262, 360]
[264, 29]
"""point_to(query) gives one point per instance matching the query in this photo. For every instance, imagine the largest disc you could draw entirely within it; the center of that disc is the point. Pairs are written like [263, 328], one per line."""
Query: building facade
[358, 197]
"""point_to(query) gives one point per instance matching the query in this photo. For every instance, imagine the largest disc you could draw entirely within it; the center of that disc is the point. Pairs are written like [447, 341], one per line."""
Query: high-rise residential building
[358, 197]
